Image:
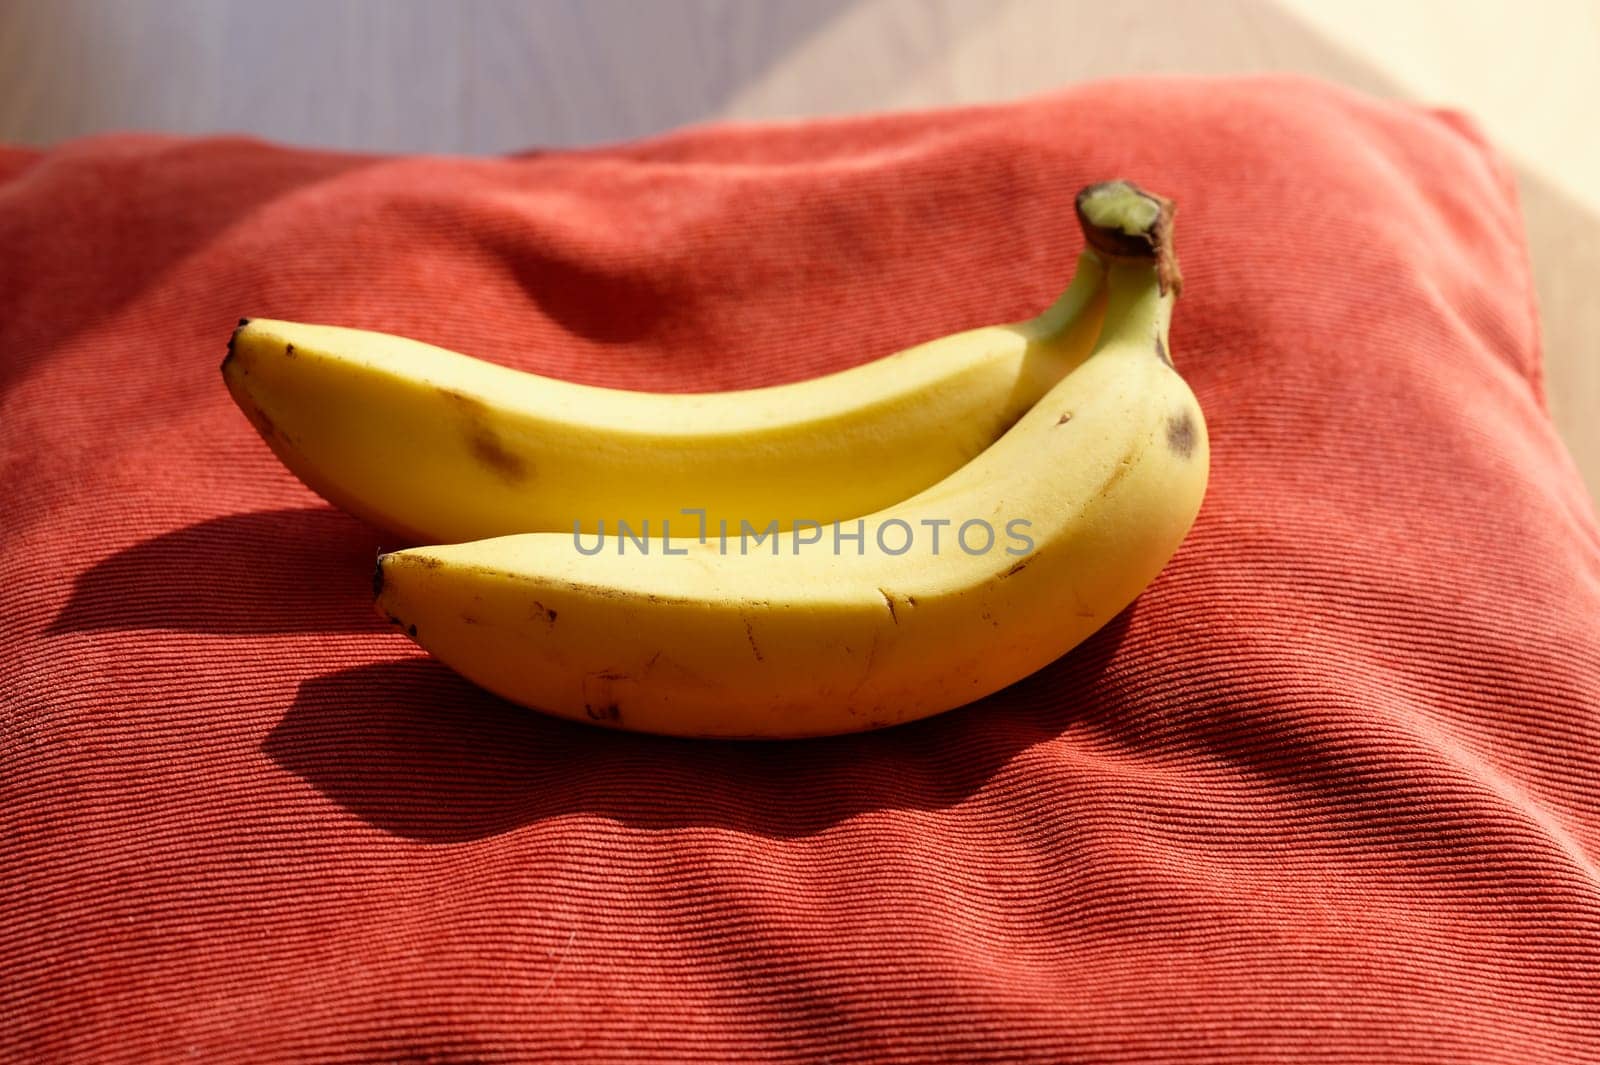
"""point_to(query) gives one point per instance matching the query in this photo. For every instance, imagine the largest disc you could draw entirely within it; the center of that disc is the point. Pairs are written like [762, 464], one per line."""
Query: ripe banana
[437, 446]
[818, 632]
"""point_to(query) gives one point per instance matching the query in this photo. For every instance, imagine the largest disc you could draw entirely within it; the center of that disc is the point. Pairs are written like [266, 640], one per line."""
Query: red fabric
[1327, 791]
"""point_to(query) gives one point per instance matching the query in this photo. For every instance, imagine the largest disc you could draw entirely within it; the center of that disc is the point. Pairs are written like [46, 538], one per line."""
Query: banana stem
[1126, 224]
[1139, 308]
[1071, 305]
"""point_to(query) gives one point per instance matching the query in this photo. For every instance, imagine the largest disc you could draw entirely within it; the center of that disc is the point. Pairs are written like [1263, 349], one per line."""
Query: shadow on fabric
[274, 571]
[415, 750]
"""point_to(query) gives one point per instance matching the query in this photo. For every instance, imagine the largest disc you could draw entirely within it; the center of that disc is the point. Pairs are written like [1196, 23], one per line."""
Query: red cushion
[1329, 790]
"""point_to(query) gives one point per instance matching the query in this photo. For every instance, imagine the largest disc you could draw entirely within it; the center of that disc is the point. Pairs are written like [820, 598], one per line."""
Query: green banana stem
[1139, 308]
[1072, 304]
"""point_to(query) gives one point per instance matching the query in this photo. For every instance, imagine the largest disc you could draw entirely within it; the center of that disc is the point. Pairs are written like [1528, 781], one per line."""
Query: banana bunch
[835, 555]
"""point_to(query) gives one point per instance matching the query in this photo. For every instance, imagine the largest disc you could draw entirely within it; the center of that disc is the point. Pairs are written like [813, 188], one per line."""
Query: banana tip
[233, 340]
[377, 576]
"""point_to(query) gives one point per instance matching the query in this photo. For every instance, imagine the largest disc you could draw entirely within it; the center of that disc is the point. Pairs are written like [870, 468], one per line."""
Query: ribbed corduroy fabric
[1329, 791]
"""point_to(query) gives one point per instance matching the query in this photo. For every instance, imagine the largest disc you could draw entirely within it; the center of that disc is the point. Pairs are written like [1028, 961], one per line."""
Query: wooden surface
[494, 75]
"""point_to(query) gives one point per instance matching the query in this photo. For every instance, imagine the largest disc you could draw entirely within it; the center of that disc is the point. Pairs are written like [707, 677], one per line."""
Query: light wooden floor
[492, 75]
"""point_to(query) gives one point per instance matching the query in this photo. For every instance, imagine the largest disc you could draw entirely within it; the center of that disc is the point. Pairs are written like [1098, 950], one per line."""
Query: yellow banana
[438, 446]
[946, 597]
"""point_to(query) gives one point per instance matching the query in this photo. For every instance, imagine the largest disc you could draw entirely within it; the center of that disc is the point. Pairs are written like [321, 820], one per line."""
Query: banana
[920, 607]
[441, 447]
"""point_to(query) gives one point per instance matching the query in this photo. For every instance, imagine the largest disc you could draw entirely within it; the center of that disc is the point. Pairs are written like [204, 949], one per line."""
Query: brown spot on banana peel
[488, 450]
[599, 591]
[599, 703]
[888, 601]
[1125, 466]
[1181, 435]
[1066, 416]
[484, 443]
[750, 634]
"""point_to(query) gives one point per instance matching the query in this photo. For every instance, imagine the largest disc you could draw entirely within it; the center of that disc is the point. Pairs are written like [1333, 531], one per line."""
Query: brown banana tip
[233, 340]
[1123, 222]
[377, 576]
